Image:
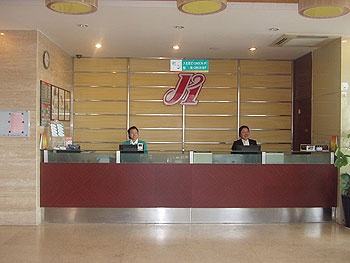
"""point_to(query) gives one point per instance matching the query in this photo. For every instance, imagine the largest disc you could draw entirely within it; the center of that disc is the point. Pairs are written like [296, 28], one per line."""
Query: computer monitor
[129, 148]
[248, 149]
[249, 154]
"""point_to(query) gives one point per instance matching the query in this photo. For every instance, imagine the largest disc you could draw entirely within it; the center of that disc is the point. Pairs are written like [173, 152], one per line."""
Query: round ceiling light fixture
[73, 7]
[201, 7]
[323, 8]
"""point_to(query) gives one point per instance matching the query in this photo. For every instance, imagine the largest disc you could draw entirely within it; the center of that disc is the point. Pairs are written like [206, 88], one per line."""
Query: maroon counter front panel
[188, 185]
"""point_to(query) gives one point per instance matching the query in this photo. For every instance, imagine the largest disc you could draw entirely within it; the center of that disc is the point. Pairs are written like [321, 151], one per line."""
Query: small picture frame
[67, 106]
[54, 102]
[45, 103]
[61, 104]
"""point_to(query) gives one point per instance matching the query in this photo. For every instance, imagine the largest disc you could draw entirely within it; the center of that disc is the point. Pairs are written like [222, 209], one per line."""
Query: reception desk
[166, 188]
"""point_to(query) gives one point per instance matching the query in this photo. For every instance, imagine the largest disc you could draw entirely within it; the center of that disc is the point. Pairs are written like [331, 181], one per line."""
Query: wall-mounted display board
[66, 105]
[60, 104]
[45, 103]
[54, 103]
[14, 123]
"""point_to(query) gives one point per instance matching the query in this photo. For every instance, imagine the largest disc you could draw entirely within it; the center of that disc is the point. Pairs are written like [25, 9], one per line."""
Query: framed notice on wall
[54, 102]
[45, 103]
[61, 104]
[66, 105]
[14, 123]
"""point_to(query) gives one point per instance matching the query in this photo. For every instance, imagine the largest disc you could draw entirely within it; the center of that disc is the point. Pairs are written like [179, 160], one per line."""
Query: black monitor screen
[128, 148]
[249, 148]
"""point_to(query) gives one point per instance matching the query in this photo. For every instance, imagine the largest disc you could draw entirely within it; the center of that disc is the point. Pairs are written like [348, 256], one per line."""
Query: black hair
[132, 127]
[241, 128]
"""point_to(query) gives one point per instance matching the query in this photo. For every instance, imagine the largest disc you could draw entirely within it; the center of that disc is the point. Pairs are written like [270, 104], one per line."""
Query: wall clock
[46, 59]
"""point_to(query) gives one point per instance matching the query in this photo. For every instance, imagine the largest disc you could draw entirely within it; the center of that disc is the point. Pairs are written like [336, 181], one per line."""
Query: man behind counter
[133, 134]
[244, 134]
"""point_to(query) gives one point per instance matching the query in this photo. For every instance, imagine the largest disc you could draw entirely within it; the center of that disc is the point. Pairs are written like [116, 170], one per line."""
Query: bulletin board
[54, 103]
[45, 103]
[14, 123]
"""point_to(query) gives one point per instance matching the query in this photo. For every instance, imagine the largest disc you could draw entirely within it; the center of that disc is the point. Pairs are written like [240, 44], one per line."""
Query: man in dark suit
[244, 138]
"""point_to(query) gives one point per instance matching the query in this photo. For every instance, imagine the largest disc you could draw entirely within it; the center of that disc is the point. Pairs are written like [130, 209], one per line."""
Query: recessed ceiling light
[98, 45]
[252, 49]
[176, 47]
[274, 29]
[179, 27]
[83, 25]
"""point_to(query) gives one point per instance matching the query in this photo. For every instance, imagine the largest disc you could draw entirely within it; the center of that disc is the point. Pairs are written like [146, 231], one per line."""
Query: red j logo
[186, 91]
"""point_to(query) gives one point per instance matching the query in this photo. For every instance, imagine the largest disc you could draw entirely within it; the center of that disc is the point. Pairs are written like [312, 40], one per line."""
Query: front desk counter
[187, 187]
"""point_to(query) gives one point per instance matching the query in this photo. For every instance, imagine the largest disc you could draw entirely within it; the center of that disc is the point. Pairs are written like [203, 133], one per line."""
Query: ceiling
[147, 29]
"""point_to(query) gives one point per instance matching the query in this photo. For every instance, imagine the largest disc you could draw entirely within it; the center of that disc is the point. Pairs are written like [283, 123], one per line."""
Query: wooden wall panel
[154, 108]
[326, 77]
[161, 135]
[265, 67]
[212, 108]
[272, 136]
[279, 122]
[156, 121]
[223, 66]
[144, 93]
[153, 79]
[222, 80]
[101, 135]
[214, 119]
[206, 94]
[100, 107]
[211, 122]
[206, 136]
[100, 79]
[149, 65]
[266, 108]
[171, 79]
[101, 64]
[325, 108]
[325, 127]
[276, 81]
[218, 94]
[100, 93]
[266, 94]
[100, 121]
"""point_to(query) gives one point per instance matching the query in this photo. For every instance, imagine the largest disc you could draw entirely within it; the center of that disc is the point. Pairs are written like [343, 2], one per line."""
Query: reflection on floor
[167, 243]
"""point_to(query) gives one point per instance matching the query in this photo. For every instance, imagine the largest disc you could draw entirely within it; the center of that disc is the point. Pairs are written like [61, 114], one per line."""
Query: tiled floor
[152, 243]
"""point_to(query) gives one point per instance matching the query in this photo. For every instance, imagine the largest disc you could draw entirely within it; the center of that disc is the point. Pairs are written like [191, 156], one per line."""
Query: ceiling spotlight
[323, 8]
[252, 49]
[201, 7]
[274, 29]
[73, 7]
[98, 45]
[176, 47]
